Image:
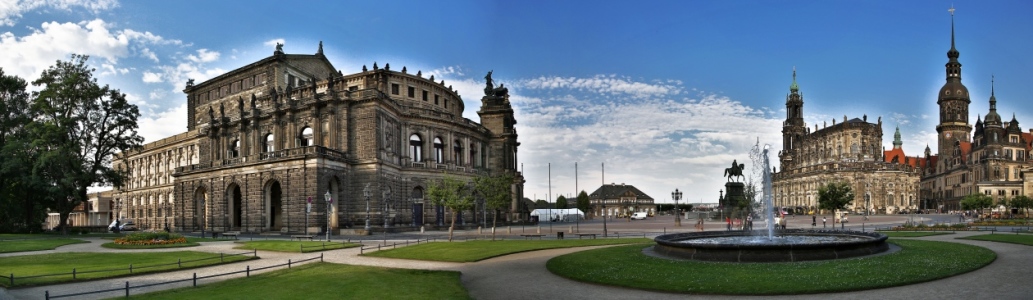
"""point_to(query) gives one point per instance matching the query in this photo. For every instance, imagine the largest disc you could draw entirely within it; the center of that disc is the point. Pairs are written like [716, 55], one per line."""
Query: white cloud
[204, 56]
[151, 77]
[28, 55]
[603, 84]
[150, 38]
[146, 52]
[11, 10]
[161, 125]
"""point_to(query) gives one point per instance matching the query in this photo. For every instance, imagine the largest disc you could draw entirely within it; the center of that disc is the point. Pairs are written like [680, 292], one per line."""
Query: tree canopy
[561, 202]
[835, 195]
[583, 203]
[496, 191]
[21, 208]
[453, 194]
[976, 201]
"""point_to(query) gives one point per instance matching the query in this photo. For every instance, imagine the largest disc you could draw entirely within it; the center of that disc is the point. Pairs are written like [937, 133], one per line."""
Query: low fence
[322, 247]
[75, 272]
[247, 270]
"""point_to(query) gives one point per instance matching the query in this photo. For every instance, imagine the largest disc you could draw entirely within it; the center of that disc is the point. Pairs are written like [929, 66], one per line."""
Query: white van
[639, 216]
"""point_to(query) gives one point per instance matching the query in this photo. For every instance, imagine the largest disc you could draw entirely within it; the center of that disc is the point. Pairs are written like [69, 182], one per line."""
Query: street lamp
[329, 206]
[387, 208]
[366, 192]
[676, 195]
[165, 213]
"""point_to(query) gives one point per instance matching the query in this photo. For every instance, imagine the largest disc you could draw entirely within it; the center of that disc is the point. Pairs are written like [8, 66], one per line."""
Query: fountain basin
[752, 246]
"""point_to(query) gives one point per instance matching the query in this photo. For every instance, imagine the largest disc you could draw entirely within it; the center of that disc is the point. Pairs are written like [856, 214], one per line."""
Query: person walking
[823, 220]
[814, 221]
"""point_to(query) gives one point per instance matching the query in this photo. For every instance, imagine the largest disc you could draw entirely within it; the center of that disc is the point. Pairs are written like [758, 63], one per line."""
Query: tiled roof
[612, 190]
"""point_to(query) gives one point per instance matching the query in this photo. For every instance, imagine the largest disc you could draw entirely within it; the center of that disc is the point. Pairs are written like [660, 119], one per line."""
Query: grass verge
[471, 251]
[907, 234]
[1022, 239]
[917, 261]
[329, 281]
[36, 244]
[119, 246]
[294, 246]
[112, 264]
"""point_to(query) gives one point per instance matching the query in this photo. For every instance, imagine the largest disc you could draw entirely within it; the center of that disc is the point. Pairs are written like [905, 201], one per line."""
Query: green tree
[542, 204]
[1024, 203]
[20, 211]
[497, 193]
[583, 203]
[79, 127]
[453, 194]
[561, 202]
[977, 201]
[835, 195]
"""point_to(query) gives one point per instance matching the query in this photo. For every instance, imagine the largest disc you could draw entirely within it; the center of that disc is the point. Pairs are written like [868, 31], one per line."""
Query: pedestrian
[823, 220]
[814, 221]
[729, 221]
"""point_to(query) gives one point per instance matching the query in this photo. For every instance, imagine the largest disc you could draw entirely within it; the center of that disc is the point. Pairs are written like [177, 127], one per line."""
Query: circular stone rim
[668, 245]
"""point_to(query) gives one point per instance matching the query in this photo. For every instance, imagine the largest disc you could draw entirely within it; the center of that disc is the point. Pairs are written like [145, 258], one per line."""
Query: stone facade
[267, 139]
[619, 201]
[847, 151]
[993, 160]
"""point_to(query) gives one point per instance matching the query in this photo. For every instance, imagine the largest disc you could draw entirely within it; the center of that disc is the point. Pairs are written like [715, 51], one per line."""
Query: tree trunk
[453, 226]
[494, 220]
[63, 222]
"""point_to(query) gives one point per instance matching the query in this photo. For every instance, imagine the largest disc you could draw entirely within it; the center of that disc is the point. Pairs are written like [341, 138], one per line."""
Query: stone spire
[896, 139]
[992, 118]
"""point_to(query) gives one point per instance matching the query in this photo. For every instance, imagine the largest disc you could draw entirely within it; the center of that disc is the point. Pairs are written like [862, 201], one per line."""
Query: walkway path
[524, 276]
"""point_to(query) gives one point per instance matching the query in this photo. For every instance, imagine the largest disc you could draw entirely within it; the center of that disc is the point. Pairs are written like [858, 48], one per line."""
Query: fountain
[764, 245]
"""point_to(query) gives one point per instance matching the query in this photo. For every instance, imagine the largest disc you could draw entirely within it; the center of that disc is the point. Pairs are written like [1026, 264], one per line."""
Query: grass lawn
[470, 251]
[294, 246]
[36, 244]
[329, 281]
[906, 234]
[1023, 239]
[54, 263]
[917, 261]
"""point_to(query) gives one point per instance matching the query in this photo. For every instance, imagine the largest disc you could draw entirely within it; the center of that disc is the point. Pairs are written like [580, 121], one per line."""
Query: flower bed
[934, 227]
[1000, 223]
[151, 238]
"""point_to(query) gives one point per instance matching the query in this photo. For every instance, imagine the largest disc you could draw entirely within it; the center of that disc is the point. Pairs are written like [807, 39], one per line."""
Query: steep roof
[613, 190]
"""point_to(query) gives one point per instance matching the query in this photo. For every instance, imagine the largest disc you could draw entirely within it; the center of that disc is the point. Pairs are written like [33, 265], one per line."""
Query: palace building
[847, 151]
[619, 200]
[289, 142]
[994, 160]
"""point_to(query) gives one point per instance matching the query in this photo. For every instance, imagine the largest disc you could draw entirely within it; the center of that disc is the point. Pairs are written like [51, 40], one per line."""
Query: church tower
[793, 129]
[953, 100]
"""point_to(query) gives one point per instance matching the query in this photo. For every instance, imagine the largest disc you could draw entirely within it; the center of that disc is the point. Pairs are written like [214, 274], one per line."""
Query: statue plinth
[736, 192]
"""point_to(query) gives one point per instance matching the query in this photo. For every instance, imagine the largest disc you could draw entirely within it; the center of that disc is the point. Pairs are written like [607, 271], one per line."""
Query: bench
[234, 234]
[301, 236]
[579, 235]
[527, 236]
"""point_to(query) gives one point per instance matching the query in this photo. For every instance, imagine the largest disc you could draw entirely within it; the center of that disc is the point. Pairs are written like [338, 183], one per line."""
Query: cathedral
[291, 144]
[848, 151]
[993, 160]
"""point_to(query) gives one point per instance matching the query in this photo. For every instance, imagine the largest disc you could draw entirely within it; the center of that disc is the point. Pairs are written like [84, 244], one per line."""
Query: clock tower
[953, 100]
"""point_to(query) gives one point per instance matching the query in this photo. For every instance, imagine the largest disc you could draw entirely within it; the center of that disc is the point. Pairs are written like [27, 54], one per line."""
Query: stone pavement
[524, 276]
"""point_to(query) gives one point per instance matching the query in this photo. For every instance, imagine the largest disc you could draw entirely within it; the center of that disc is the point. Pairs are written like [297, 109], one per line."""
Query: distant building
[97, 210]
[995, 160]
[847, 151]
[619, 200]
[269, 139]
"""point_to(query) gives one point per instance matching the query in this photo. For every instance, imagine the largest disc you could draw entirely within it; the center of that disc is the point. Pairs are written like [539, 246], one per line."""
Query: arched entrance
[234, 201]
[273, 206]
[417, 206]
[200, 198]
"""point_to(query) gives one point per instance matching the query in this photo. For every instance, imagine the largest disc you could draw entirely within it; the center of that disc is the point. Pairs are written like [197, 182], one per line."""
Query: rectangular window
[353, 88]
[424, 95]
[435, 98]
[446, 103]
[394, 89]
[412, 92]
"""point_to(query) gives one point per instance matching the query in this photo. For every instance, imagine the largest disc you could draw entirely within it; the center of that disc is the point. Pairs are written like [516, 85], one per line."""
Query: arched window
[458, 153]
[306, 137]
[439, 150]
[269, 145]
[416, 148]
[473, 155]
[235, 149]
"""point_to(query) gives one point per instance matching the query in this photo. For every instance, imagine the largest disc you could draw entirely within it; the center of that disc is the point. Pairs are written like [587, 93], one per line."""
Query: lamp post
[676, 195]
[308, 210]
[204, 219]
[329, 207]
[387, 209]
[366, 192]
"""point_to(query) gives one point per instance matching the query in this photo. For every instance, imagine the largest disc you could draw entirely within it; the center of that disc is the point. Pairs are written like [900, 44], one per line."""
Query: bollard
[288, 263]
[539, 229]
[73, 273]
[479, 230]
[195, 279]
[509, 229]
[248, 271]
[421, 229]
[320, 257]
[47, 295]
[130, 268]
[127, 289]
[179, 263]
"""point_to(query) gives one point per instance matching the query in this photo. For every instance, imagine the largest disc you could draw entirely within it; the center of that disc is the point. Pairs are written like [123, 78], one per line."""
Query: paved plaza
[525, 275]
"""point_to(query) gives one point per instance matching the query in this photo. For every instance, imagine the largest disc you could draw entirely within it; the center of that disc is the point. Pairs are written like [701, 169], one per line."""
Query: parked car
[639, 216]
[123, 225]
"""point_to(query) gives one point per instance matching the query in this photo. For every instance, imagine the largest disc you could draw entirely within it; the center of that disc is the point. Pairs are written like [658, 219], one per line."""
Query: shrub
[151, 238]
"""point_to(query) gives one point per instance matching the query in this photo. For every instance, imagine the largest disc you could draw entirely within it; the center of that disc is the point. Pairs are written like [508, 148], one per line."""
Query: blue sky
[666, 93]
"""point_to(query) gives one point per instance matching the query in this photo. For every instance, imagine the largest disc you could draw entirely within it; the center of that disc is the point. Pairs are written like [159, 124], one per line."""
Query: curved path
[524, 276]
